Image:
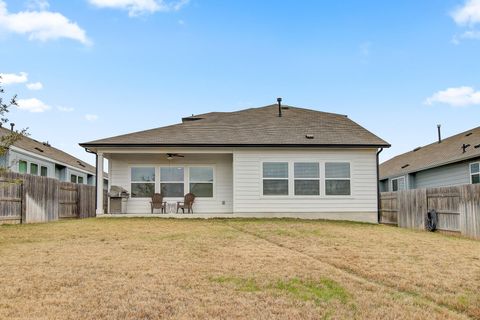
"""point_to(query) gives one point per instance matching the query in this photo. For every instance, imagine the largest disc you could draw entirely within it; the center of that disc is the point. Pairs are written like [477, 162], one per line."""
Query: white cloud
[11, 78]
[65, 109]
[468, 14]
[138, 7]
[32, 105]
[35, 86]
[38, 5]
[41, 25]
[456, 97]
[91, 117]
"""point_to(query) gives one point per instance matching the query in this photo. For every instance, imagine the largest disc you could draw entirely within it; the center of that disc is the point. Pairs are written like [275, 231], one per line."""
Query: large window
[22, 166]
[172, 181]
[398, 184]
[307, 178]
[275, 178]
[475, 172]
[73, 178]
[201, 181]
[142, 182]
[337, 179]
[43, 171]
[34, 169]
[80, 180]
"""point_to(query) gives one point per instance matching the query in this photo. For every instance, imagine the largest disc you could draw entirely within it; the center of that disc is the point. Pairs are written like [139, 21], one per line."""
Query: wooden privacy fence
[458, 208]
[28, 199]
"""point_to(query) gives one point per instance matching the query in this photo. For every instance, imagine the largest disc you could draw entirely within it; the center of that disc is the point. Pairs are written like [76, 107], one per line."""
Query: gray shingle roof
[41, 149]
[253, 127]
[433, 155]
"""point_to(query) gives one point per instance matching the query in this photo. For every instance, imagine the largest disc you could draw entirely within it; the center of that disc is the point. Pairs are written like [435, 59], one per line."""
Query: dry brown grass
[225, 269]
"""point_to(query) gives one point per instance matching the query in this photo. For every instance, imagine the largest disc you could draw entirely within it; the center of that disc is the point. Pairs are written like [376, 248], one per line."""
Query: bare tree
[8, 139]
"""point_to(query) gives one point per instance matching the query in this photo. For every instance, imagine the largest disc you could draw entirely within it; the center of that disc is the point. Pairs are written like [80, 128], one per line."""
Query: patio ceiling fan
[170, 156]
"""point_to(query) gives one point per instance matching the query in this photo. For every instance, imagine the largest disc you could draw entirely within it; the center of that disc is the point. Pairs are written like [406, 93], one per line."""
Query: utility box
[118, 199]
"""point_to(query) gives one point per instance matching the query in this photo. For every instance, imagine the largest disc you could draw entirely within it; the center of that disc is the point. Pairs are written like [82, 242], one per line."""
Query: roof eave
[398, 174]
[228, 145]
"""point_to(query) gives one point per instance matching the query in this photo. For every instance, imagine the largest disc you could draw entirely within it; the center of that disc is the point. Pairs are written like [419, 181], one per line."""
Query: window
[73, 178]
[34, 169]
[172, 181]
[475, 172]
[398, 184]
[22, 166]
[275, 178]
[337, 179]
[201, 181]
[80, 180]
[142, 182]
[307, 178]
[43, 171]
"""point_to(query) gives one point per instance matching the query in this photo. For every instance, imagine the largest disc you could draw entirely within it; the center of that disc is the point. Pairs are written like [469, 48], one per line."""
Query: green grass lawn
[136, 268]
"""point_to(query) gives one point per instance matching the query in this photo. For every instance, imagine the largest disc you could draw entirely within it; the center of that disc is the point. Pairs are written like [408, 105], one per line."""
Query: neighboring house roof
[450, 150]
[45, 150]
[254, 127]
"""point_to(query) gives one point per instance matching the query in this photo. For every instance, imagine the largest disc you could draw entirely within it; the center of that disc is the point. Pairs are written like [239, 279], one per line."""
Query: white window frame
[325, 179]
[398, 178]
[288, 178]
[471, 173]
[154, 182]
[188, 181]
[184, 181]
[319, 179]
[291, 179]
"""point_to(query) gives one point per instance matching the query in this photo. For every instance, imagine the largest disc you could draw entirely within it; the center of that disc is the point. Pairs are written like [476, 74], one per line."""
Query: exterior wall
[222, 201]
[15, 156]
[454, 174]
[386, 184]
[361, 205]
[449, 175]
[71, 171]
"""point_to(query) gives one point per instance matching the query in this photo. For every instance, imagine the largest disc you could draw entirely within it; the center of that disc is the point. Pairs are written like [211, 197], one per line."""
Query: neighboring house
[251, 163]
[449, 162]
[40, 158]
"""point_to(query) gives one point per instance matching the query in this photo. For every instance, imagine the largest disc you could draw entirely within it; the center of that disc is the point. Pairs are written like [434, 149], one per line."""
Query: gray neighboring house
[449, 162]
[30, 156]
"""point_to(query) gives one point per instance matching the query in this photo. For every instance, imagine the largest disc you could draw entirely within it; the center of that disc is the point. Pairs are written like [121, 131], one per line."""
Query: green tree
[7, 139]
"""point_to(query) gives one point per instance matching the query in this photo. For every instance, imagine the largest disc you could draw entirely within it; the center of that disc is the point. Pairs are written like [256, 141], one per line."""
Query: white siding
[361, 205]
[222, 201]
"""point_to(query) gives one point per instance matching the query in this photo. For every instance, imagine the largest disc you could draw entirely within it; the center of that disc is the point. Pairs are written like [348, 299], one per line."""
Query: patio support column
[100, 184]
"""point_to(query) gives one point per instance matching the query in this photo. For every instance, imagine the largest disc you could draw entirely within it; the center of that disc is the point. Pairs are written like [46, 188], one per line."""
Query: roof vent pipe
[279, 100]
[439, 130]
[12, 125]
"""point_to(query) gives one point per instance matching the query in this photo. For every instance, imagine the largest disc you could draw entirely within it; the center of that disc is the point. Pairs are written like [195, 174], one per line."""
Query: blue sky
[99, 68]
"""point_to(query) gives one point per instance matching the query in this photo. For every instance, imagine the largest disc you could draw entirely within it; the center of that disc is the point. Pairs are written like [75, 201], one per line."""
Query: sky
[90, 69]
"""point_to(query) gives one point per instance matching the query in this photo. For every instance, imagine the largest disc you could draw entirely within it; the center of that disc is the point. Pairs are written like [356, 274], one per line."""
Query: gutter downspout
[379, 201]
[96, 174]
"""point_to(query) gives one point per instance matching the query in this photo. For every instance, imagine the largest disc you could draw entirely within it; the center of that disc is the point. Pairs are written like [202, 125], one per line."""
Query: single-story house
[449, 162]
[29, 156]
[273, 161]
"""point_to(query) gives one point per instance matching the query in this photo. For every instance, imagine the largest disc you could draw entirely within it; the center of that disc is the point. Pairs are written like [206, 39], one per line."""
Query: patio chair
[158, 203]
[187, 203]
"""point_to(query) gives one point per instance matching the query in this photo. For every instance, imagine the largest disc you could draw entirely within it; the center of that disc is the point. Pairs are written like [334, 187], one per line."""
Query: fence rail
[458, 208]
[28, 199]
